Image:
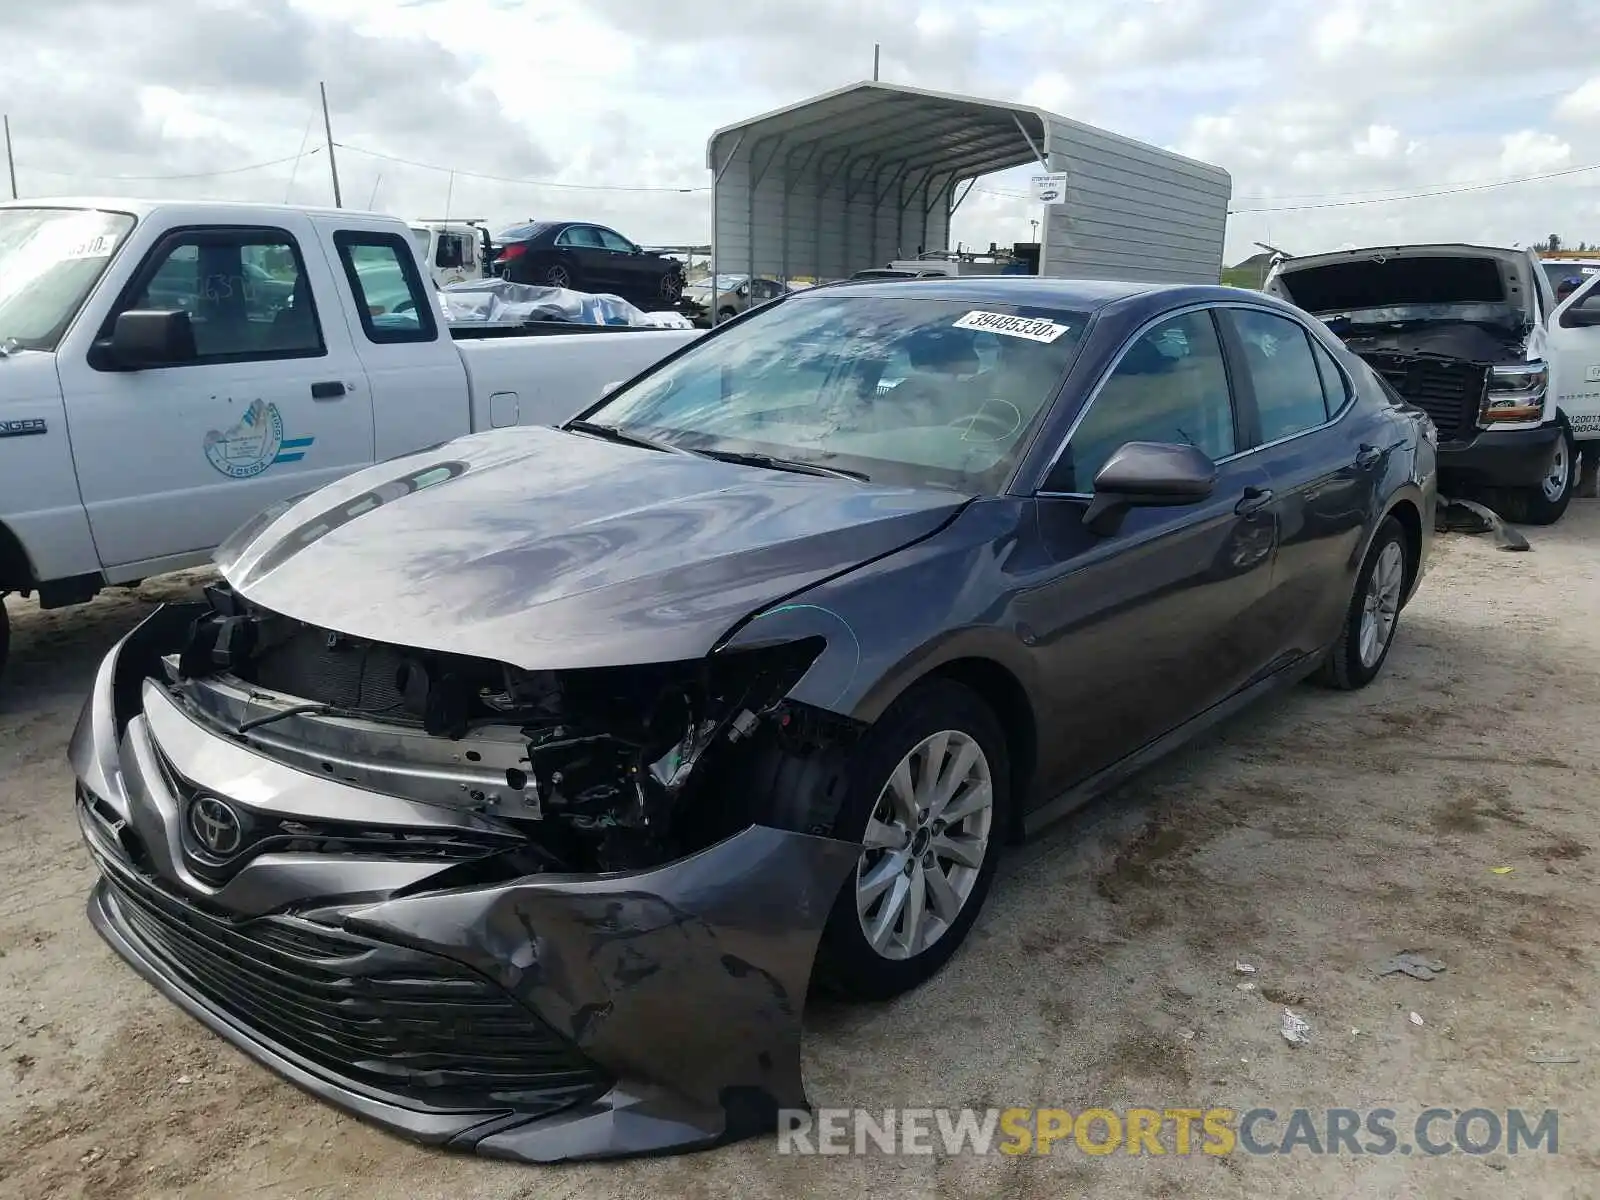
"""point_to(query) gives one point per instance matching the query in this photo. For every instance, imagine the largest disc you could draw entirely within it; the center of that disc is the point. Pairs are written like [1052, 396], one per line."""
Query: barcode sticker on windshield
[98, 246]
[1035, 329]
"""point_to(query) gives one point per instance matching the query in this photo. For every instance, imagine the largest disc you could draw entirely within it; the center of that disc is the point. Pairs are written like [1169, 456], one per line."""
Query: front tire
[1546, 503]
[928, 795]
[1358, 655]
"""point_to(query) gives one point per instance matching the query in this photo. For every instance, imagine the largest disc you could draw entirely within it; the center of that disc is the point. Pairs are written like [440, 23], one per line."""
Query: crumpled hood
[550, 550]
[1381, 276]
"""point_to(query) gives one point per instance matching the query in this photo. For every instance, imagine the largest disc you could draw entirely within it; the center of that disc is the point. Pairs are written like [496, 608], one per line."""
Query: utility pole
[876, 48]
[11, 163]
[327, 128]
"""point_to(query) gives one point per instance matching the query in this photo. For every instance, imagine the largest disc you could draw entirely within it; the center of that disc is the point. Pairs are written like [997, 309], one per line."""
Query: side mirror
[144, 338]
[1147, 475]
[1581, 316]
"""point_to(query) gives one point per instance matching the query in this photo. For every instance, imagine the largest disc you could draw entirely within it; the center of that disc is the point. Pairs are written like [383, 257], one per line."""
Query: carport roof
[962, 135]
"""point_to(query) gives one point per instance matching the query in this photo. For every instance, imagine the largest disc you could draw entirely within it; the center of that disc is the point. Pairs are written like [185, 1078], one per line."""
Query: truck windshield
[50, 260]
[907, 391]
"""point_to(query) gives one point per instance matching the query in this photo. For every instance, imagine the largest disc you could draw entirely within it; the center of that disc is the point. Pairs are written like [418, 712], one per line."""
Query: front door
[171, 459]
[1141, 630]
[592, 267]
[1574, 350]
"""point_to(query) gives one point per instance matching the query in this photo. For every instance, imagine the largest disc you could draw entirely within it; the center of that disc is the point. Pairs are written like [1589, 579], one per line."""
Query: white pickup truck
[1477, 336]
[169, 369]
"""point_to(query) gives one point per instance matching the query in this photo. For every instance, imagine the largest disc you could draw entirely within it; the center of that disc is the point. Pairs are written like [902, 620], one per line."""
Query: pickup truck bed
[169, 369]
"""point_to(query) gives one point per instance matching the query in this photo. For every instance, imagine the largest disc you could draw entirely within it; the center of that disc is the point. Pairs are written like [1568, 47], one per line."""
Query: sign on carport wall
[1051, 188]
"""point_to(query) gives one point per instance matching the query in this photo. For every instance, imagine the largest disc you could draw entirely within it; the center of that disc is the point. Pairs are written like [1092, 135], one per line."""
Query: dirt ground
[1309, 838]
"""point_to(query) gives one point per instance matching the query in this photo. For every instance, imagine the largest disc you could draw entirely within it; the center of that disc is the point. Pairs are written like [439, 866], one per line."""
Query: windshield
[909, 391]
[50, 259]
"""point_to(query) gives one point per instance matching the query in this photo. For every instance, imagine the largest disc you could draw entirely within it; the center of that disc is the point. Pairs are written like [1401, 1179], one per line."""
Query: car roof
[1048, 291]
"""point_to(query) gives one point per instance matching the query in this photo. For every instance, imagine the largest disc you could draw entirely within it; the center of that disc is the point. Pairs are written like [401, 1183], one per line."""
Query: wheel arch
[1409, 515]
[999, 688]
[16, 570]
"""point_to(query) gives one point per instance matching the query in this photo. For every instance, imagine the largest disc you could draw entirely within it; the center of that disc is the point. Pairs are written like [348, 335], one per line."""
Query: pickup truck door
[170, 459]
[1574, 348]
[420, 393]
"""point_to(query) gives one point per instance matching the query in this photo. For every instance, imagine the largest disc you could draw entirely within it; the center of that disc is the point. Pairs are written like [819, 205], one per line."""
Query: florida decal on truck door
[254, 444]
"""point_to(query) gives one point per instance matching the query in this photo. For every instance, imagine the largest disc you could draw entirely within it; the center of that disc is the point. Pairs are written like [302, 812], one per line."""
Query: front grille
[400, 1022]
[1450, 393]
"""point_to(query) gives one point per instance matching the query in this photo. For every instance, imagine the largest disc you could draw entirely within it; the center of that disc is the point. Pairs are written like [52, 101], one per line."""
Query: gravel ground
[1309, 838]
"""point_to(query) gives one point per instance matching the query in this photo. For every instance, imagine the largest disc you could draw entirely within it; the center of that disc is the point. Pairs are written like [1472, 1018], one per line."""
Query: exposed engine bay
[600, 769]
[1483, 342]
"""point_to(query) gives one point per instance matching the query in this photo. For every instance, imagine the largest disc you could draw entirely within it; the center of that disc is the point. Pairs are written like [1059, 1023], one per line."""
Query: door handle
[1253, 500]
[1368, 457]
[330, 390]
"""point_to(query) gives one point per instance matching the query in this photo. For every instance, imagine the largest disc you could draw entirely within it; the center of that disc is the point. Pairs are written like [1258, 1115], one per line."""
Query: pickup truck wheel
[5, 634]
[927, 793]
[1546, 503]
[1369, 624]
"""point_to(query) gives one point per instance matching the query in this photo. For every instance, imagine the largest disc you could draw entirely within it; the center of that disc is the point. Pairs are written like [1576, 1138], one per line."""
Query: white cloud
[1317, 108]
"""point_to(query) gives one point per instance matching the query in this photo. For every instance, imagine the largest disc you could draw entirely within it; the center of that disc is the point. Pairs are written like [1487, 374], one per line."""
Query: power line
[275, 162]
[546, 183]
[1443, 191]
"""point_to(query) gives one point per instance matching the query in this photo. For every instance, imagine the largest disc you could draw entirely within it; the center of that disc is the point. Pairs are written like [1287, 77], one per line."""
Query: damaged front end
[541, 915]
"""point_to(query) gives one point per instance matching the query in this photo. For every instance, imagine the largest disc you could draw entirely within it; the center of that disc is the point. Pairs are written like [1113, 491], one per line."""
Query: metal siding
[1132, 211]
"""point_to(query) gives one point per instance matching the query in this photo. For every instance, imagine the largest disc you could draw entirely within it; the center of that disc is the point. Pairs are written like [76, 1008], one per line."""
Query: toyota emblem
[215, 826]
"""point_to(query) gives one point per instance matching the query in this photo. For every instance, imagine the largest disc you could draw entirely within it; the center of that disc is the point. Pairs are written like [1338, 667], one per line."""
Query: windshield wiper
[773, 463]
[612, 434]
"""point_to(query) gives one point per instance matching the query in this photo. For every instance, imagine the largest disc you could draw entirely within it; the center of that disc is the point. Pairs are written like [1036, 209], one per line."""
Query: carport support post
[824, 186]
[716, 230]
[750, 197]
[788, 182]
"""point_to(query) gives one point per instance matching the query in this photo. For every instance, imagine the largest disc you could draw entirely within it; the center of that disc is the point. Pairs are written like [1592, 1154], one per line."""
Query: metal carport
[873, 171]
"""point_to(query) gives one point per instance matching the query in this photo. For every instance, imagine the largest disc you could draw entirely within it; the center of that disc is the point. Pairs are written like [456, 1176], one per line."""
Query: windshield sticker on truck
[254, 444]
[99, 246]
[1035, 329]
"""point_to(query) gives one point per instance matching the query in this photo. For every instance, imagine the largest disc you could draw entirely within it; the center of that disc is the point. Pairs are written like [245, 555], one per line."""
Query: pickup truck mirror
[149, 338]
[1582, 316]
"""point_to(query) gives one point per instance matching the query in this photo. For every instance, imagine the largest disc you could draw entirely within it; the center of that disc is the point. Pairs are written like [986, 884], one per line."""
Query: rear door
[1140, 631]
[170, 459]
[1323, 471]
[1574, 349]
[418, 381]
[592, 265]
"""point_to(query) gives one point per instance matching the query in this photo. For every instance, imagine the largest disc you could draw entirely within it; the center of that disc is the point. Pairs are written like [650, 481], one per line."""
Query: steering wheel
[404, 306]
[989, 425]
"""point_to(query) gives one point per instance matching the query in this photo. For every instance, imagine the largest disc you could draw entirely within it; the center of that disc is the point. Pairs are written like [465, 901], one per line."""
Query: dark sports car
[588, 258]
[514, 793]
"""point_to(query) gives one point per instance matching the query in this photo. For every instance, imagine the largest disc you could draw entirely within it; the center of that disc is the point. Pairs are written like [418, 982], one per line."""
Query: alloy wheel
[671, 288]
[557, 277]
[1380, 609]
[926, 841]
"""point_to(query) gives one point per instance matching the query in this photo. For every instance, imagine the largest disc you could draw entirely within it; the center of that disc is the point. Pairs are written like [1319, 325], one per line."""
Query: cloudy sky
[1320, 109]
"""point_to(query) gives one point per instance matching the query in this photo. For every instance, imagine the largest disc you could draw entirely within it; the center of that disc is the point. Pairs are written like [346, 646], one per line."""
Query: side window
[583, 236]
[614, 241]
[1335, 390]
[244, 291]
[450, 251]
[391, 300]
[1169, 386]
[1288, 386]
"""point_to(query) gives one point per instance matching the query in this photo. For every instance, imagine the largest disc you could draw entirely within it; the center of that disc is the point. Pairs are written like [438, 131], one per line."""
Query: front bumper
[1500, 457]
[548, 1018]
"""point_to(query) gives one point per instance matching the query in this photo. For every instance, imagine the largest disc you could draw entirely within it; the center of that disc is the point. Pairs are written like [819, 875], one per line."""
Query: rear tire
[5, 635]
[1546, 502]
[558, 276]
[1362, 648]
[931, 852]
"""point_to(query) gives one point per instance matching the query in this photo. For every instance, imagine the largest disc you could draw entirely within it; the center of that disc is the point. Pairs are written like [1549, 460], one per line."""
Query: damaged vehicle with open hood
[512, 794]
[1475, 336]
